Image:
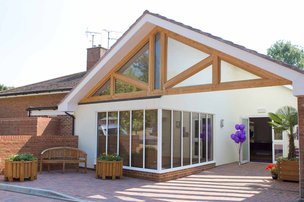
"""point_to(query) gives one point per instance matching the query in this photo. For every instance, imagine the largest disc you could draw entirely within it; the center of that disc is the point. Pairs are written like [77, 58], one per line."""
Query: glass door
[245, 151]
[277, 145]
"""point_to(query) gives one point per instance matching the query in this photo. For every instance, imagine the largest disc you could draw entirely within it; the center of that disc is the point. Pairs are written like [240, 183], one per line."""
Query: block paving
[231, 182]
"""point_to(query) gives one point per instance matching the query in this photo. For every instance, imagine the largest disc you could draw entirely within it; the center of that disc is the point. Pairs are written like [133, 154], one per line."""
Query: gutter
[73, 122]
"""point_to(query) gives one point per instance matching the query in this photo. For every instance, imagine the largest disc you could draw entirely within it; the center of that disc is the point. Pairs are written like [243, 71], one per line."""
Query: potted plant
[285, 119]
[109, 166]
[21, 166]
[273, 170]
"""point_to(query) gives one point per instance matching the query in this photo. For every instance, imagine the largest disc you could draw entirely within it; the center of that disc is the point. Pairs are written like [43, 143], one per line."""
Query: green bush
[22, 157]
[109, 157]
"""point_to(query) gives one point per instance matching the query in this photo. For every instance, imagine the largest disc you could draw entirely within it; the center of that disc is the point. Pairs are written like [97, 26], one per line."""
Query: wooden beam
[216, 70]
[112, 85]
[189, 72]
[151, 61]
[255, 83]
[163, 59]
[136, 83]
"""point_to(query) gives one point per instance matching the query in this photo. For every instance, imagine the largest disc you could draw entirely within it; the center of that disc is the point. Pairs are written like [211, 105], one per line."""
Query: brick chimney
[93, 55]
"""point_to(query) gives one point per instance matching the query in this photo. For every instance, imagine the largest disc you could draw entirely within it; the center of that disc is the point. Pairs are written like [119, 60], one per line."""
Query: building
[166, 97]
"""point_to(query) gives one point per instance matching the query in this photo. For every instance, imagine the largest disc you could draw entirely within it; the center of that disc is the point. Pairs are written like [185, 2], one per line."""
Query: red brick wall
[301, 141]
[65, 125]
[16, 106]
[36, 126]
[161, 177]
[10, 145]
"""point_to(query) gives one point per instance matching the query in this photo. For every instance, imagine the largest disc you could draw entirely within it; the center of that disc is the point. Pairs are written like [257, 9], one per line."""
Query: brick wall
[10, 145]
[65, 125]
[35, 126]
[301, 141]
[16, 106]
[161, 177]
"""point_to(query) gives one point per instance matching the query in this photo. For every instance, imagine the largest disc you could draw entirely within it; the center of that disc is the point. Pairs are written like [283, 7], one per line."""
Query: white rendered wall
[228, 105]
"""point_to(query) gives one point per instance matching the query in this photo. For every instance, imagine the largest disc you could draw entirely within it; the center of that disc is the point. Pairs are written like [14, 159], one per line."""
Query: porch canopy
[151, 27]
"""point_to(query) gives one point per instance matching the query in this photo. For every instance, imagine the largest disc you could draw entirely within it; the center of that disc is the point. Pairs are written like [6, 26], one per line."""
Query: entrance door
[245, 153]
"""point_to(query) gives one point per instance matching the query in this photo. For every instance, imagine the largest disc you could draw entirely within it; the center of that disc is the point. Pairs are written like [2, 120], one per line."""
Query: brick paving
[249, 182]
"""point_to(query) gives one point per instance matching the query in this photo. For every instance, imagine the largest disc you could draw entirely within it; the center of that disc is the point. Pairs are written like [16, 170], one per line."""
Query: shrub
[22, 157]
[109, 157]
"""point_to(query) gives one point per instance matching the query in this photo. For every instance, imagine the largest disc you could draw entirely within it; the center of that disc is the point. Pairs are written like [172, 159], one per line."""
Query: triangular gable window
[122, 87]
[103, 90]
[138, 66]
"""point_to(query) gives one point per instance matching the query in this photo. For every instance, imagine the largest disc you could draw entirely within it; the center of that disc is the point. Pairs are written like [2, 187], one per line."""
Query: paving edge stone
[39, 192]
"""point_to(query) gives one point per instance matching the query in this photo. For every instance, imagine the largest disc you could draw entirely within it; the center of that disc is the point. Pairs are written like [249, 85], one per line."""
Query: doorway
[260, 139]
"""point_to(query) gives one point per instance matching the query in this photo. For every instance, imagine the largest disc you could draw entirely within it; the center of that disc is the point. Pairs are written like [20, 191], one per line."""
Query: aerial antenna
[92, 34]
[109, 37]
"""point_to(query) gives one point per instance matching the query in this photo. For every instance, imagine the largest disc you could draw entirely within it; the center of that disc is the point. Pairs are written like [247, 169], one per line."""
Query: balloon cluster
[240, 135]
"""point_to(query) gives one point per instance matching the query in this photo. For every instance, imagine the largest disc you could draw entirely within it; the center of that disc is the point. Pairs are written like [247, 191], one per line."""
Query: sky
[45, 39]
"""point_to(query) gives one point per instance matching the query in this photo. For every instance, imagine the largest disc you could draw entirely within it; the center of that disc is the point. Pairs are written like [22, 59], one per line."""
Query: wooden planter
[289, 170]
[111, 169]
[20, 170]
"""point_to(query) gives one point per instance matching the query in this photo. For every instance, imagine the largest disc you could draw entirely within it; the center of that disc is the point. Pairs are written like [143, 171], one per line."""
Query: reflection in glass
[210, 137]
[177, 139]
[103, 90]
[124, 136]
[195, 138]
[137, 139]
[112, 132]
[278, 151]
[186, 138]
[102, 131]
[138, 66]
[203, 138]
[157, 62]
[151, 139]
[166, 139]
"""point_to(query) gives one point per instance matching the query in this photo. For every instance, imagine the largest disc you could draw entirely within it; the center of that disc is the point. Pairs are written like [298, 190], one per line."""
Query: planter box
[289, 170]
[20, 170]
[111, 169]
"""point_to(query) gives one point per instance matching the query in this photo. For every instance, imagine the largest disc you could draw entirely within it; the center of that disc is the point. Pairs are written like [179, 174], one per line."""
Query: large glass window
[124, 136]
[112, 132]
[102, 132]
[151, 139]
[186, 138]
[203, 137]
[123, 87]
[210, 138]
[157, 62]
[166, 139]
[176, 139]
[137, 139]
[195, 138]
[138, 66]
[103, 90]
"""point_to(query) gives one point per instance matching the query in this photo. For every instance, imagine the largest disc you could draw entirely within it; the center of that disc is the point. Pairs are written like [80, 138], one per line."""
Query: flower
[272, 168]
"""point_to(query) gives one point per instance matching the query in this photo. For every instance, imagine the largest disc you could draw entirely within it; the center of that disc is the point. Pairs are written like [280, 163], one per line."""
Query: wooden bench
[63, 155]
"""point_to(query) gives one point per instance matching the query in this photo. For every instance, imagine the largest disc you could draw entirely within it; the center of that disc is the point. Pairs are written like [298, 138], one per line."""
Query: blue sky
[41, 40]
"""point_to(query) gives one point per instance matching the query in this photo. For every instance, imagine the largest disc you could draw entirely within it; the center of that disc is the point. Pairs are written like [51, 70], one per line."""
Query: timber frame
[167, 86]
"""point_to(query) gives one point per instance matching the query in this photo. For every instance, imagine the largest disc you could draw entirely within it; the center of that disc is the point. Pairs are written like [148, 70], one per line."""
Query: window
[210, 137]
[166, 139]
[151, 139]
[195, 138]
[122, 87]
[102, 132]
[157, 62]
[137, 139]
[186, 138]
[176, 139]
[203, 137]
[112, 132]
[138, 66]
[103, 90]
[124, 136]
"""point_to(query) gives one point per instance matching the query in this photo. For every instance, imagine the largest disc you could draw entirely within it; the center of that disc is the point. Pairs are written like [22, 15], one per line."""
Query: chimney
[93, 55]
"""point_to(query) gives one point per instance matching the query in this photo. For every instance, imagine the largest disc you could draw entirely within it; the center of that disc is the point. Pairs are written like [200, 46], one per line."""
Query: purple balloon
[237, 126]
[242, 127]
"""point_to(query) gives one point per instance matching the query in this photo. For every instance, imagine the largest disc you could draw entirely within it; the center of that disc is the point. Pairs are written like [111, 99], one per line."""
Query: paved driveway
[249, 182]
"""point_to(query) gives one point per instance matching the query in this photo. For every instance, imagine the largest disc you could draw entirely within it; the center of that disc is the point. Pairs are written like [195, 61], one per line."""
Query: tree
[3, 87]
[288, 53]
[285, 119]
